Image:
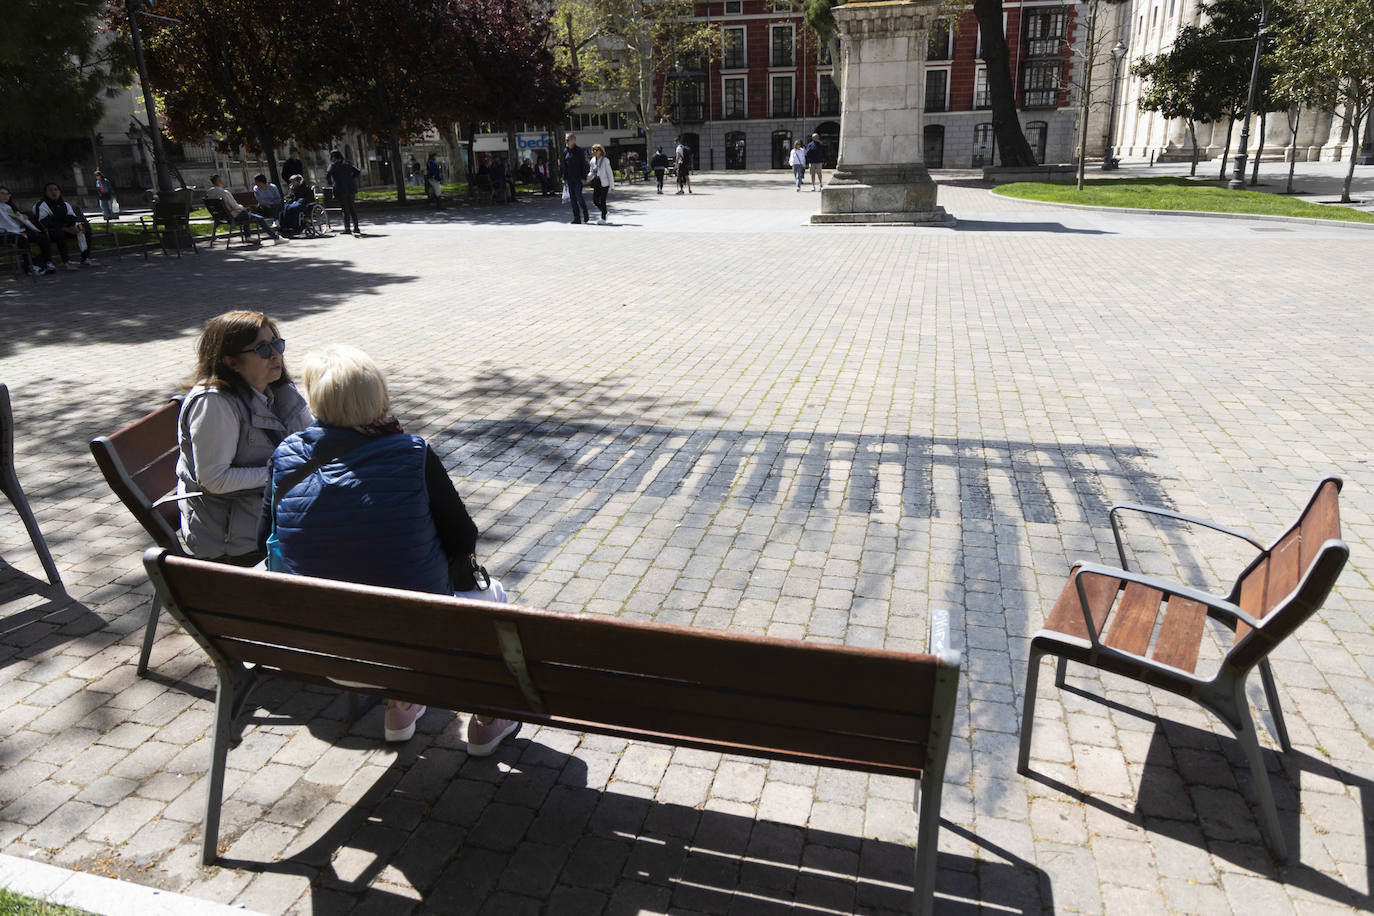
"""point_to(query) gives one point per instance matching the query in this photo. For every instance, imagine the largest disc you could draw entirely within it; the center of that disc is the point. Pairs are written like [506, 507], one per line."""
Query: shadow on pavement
[1195, 788]
[984, 225]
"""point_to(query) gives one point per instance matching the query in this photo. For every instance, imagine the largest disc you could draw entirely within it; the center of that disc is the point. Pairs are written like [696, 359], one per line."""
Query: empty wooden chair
[140, 463]
[9, 485]
[1111, 619]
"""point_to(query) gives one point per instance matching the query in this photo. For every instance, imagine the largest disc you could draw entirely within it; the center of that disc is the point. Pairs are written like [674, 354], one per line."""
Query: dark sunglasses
[264, 348]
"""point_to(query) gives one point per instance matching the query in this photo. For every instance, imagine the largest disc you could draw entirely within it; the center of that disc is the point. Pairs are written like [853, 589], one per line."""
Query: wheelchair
[311, 222]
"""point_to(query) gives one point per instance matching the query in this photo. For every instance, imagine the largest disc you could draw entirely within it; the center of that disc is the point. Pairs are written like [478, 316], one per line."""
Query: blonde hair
[344, 387]
[598, 148]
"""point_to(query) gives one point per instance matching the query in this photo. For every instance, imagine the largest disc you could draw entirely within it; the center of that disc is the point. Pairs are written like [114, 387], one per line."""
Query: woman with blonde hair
[239, 405]
[357, 499]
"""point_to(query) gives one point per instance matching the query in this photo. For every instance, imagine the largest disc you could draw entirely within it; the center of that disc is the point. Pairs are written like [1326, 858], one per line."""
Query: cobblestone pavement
[711, 414]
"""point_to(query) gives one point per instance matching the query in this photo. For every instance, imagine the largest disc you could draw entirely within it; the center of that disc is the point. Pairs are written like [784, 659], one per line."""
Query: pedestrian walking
[816, 154]
[343, 178]
[660, 165]
[105, 190]
[797, 159]
[574, 168]
[601, 179]
[682, 161]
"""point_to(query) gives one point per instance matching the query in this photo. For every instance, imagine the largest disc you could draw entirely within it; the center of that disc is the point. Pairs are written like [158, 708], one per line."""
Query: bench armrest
[1230, 614]
[1168, 513]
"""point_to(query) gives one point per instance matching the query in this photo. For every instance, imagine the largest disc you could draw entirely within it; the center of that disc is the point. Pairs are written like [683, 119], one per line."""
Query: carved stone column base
[901, 194]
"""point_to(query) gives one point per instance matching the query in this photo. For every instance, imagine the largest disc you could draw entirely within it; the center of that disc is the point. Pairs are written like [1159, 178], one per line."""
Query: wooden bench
[869, 710]
[219, 213]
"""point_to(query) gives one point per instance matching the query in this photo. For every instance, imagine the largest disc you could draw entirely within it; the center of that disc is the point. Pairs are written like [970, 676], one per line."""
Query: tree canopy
[55, 72]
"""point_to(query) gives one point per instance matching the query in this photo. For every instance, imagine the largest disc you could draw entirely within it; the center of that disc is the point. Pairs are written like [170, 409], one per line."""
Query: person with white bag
[63, 223]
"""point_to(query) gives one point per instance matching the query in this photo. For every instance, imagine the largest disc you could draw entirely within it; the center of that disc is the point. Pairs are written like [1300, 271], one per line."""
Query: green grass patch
[12, 904]
[1178, 194]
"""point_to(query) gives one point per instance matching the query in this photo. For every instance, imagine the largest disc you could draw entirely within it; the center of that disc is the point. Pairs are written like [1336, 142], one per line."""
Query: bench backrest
[1286, 583]
[139, 463]
[839, 706]
[171, 211]
[217, 210]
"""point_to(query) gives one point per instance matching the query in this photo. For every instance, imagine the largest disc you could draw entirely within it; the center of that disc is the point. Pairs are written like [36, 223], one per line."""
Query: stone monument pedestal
[881, 176]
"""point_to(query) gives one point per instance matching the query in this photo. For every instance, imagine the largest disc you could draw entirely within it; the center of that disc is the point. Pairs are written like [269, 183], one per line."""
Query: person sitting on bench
[64, 222]
[268, 196]
[362, 501]
[18, 230]
[237, 211]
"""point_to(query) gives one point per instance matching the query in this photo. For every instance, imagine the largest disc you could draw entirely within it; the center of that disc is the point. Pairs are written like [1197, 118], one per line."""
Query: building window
[783, 6]
[732, 48]
[782, 96]
[982, 145]
[827, 95]
[1035, 136]
[1045, 32]
[982, 98]
[940, 44]
[1040, 83]
[934, 146]
[823, 57]
[689, 99]
[937, 90]
[978, 53]
[781, 46]
[733, 98]
[733, 7]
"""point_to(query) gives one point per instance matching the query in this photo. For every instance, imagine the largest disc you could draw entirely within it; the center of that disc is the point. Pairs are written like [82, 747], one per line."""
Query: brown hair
[228, 335]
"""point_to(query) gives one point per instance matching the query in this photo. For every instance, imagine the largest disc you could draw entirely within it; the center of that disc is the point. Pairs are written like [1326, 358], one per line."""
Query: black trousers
[599, 199]
[349, 211]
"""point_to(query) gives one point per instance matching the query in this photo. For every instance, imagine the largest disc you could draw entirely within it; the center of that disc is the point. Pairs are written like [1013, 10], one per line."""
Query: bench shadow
[522, 831]
[36, 616]
[1195, 788]
[984, 225]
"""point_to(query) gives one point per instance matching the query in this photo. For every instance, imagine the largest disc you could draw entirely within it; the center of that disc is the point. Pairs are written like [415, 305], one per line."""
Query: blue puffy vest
[363, 517]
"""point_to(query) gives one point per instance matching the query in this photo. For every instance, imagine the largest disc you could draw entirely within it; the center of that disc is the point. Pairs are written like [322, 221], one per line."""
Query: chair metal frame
[139, 463]
[1260, 620]
[9, 485]
[11, 248]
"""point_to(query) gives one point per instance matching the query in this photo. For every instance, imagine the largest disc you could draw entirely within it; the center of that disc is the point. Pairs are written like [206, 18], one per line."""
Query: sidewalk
[710, 413]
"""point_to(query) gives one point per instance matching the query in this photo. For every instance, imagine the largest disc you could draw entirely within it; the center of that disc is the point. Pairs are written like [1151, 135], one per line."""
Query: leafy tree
[1176, 84]
[56, 69]
[248, 71]
[622, 49]
[1225, 43]
[1326, 57]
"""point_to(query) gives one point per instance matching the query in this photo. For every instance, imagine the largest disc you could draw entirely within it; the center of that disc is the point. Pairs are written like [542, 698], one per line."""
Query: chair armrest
[1229, 613]
[1168, 513]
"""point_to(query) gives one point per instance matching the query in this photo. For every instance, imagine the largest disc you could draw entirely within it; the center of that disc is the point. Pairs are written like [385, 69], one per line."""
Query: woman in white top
[601, 178]
[798, 162]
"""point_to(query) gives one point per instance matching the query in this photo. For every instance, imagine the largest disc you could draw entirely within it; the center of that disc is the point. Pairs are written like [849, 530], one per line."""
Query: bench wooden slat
[262, 643]
[1133, 621]
[1180, 634]
[146, 440]
[1321, 523]
[1285, 569]
[757, 664]
[1067, 614]
[634, 714]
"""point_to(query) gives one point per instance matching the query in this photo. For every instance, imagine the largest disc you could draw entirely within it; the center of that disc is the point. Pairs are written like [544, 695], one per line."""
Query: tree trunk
[1226, 153]
[398, 174]
[1355, 124]
[1087, 93]
[1192, 135]
[1293, 146]
[1016, 151]
[265, 141]
[472, 160]
[1259, 149]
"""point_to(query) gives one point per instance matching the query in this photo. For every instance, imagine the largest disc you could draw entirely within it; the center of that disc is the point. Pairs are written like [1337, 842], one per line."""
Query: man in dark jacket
[574, 171]
[343, 178]
[816, 154]
[292, 166]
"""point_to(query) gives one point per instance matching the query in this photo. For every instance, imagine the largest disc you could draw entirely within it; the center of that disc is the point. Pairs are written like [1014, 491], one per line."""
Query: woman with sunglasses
[239, 405]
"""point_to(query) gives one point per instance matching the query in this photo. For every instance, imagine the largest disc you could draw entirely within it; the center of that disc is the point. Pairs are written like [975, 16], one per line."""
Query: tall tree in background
[1327, 56]
[248, 71]
[1175, 84]
[56, 69]
[626, 48]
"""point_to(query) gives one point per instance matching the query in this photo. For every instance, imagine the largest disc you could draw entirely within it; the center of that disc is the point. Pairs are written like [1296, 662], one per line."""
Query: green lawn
[1178, 194]
[12, 904]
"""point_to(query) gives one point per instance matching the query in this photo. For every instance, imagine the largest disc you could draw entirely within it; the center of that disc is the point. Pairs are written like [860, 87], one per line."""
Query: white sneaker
[69, 265]
[601, 222]
[35, 269]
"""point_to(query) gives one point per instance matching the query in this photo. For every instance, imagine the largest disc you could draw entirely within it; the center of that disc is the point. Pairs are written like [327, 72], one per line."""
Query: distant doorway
[982, 145]
[934, 146]
[782, 148]
[1035, 136]
[693, 144]
[735, 150]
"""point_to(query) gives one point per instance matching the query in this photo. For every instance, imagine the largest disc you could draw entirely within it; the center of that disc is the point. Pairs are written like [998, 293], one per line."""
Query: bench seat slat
[1133, 621]
[748, 663]
[1180, 635]
[635, 717]
[149, 438]
[1067, 614]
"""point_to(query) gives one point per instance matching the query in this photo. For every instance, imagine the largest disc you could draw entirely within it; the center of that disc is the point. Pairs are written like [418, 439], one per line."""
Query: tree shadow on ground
[1196, 788]
[523, 831]
[135, 301]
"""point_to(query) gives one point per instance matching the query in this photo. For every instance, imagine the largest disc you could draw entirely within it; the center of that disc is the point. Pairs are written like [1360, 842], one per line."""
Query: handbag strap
[319, 460]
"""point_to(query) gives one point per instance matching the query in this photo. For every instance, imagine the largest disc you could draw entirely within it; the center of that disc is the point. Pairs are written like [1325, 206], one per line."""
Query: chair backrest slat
[139, 464]
[1292, 578]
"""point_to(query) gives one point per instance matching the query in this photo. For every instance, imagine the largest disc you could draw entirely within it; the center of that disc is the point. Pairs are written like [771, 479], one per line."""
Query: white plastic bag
[567, 195]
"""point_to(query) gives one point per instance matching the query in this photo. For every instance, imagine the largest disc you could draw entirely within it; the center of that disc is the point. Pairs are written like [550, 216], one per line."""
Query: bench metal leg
[1028, 710]
[149, 633]
[230, 698]
[1271, 694]
[1268, 811]
[9, 485]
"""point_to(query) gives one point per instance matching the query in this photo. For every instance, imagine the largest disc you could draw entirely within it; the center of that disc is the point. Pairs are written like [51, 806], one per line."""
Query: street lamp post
[164, 179]
[1109, 161]
[1237, 181]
